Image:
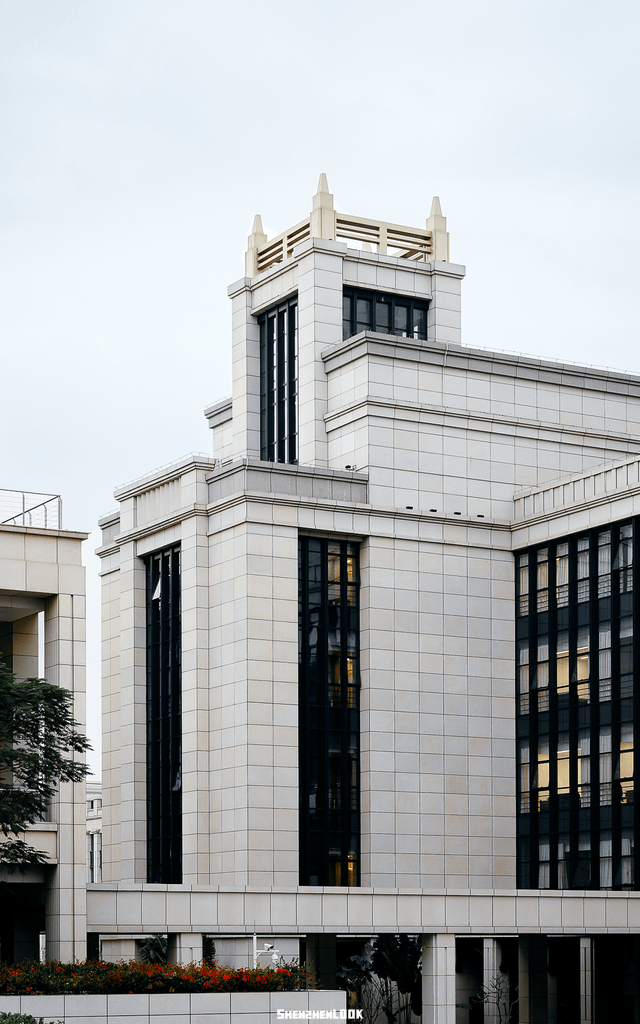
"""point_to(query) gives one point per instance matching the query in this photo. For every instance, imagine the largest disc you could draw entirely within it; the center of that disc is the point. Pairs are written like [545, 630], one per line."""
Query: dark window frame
[329, 714]
[382, 313]
[279, 382]
[164, 717]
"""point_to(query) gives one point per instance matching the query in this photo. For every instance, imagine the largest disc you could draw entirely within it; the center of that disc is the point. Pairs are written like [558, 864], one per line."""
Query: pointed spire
[436, 209]
[256, 241]
[323, 218]
[437, 225]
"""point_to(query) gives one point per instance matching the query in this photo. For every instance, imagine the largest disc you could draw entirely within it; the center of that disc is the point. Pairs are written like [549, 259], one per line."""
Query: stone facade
[438, 461]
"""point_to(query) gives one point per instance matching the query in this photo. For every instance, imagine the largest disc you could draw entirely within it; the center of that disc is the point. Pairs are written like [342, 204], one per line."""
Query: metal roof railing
[30, 508]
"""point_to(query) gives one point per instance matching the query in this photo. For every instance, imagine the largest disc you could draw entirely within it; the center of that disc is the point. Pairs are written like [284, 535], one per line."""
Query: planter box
[178, 1007]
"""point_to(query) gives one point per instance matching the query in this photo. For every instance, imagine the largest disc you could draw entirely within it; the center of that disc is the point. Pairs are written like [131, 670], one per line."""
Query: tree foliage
[387, 979]
[38, 738]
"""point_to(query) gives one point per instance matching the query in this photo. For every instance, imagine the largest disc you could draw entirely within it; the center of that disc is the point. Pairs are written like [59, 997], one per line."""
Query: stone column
[494, 981]
[532, 979]
[322, 959]
[439, 979]
[184, 947]
[586, 979]
[319, 325]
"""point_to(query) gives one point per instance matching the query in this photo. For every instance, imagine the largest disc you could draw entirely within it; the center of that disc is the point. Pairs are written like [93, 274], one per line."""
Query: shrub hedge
[96, 976]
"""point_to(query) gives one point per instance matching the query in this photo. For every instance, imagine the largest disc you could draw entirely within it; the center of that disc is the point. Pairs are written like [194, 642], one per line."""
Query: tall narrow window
[279, 383]
[604, 762]
[542, 775]
[523, 676]
[583, 569]
[624, 767]
[604, 661]
[624, 559]
[563, 770]
[525, 778]
[626, 656]
[562, 575]
[562, 668]
[563, 861]
[523, 585]
[584, 768]
[541, 679]
[606, 861]
[604, 564]
[582, 663]
[542, 579]
[164, 721]
[329, 727]
[625, 878]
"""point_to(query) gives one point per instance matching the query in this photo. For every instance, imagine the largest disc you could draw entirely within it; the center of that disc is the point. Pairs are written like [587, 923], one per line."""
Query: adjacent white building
[370, 666]
[42, 618]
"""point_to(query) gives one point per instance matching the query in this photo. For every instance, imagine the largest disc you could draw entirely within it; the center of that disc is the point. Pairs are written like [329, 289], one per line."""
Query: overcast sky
[139, 138]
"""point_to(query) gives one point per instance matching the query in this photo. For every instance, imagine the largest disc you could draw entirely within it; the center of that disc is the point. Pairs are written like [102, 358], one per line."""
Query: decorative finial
[436, 210]
[323, 218]
[437, 225]
[256, 241]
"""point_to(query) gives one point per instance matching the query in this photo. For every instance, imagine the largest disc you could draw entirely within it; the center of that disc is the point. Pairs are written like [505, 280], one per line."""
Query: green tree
[38, 738]
[387, 978]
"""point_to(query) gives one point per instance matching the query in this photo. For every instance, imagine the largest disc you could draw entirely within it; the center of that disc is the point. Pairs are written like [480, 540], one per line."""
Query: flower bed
[97, 977]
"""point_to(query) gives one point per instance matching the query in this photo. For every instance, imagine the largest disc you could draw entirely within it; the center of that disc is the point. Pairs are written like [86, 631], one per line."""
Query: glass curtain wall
[576, 672]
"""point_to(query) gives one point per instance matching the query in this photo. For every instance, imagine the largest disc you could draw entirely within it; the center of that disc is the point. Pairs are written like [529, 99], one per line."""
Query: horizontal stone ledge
[125, 910]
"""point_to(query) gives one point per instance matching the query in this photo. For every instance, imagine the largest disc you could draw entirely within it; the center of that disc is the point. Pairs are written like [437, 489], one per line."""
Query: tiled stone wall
[253, 604]
[437, 724]
[172, 1008]
[458, 430]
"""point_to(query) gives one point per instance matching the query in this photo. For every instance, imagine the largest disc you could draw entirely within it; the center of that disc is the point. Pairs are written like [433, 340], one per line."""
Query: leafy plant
[37, 732]
[496, 994]
[154, 949]
[387, 979]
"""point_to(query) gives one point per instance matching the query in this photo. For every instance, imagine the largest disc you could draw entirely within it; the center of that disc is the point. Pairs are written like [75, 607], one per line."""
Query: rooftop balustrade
[30, 508]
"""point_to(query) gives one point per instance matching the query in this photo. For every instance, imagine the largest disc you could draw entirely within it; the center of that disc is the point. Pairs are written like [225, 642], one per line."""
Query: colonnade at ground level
[555, 979]
[544, 979]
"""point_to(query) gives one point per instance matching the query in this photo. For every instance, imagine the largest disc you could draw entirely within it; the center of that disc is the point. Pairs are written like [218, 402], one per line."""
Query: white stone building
[42, 617]
[329, 711]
